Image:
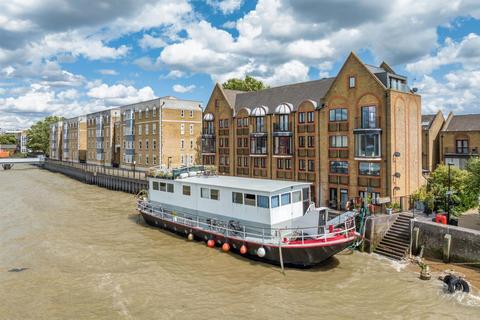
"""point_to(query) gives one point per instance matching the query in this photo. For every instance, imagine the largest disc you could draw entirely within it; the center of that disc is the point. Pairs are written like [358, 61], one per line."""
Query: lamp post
[449, 192]
[134, 163]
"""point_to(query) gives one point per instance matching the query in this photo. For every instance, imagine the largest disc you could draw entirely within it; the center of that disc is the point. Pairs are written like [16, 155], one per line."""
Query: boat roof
[251, 184]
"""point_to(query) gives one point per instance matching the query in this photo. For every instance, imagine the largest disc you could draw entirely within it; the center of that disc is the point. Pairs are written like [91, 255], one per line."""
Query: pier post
[447, 242]
[415, 235]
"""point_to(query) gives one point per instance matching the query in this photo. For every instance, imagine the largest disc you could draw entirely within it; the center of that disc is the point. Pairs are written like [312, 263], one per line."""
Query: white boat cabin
[254, 201]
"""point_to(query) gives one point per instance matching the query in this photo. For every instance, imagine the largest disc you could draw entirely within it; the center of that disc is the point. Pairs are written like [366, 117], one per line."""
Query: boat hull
[297, 255]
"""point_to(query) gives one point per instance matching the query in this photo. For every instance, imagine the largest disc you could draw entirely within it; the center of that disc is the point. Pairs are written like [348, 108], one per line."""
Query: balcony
[258, 145]
[338, 179]
[208, 133]
[306, 127]
[368, 124]
[368, 144]
[282, 146]
[208, 145]
[369, 182]
[341, 153]
[334, 126]
[461, 151]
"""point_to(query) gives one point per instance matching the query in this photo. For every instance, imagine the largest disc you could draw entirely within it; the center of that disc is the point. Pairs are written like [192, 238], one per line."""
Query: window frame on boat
[263, 201]
[155, 185]
[237, 197]
[209, 193]
[285, 196]
[186, 190]
[277, 201]
[251, 201]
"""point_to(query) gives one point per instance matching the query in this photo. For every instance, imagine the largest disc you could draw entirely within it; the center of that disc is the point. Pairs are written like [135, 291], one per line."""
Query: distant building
[460, 139]
[56, 136]
[74, 139]
[164, 131]
[431, 126]
[354, 135]
[100, 136]
[21, 139]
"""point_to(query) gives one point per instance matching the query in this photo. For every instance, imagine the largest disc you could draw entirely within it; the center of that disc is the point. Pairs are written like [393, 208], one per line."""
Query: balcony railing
[243, 131]
[282, 129]
[304, 152]
[367, 124]
[208, 133]
[243, 171]
[260, 172]
[461, 151]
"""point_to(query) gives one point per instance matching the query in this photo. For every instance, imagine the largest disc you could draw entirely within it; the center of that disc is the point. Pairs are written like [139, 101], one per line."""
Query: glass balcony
[282, 146]
[258, 145]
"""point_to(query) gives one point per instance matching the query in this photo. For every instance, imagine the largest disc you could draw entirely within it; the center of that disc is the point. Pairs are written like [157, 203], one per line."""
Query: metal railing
[293, 236]
[96, 168]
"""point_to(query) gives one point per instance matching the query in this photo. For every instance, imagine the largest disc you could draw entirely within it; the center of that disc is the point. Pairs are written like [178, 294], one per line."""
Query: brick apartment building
[55, 140]
[164, 131]
[354, 135]
[460, 139]
[432, 124]
[100, 137]
[74, 139]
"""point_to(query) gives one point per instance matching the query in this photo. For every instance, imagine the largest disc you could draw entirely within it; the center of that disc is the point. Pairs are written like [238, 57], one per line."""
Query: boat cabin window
[214, 194]
[205, 193]
[262, 202]
[170, 187]
[296, 196]
[275, 201]
[186, 190]
[237, 197]
[163, 186]
[155, 185]
[250, 199]
[306, 194]
[285, 198]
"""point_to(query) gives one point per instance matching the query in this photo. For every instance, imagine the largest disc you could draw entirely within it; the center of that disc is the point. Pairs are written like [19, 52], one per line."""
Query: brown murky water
[89, 258]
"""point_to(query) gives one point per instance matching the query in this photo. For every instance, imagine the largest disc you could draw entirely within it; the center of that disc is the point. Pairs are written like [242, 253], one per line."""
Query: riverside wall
[464, 243]
[119, 180]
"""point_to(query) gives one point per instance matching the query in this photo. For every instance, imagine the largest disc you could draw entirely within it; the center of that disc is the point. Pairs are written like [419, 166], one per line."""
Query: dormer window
[351, 82]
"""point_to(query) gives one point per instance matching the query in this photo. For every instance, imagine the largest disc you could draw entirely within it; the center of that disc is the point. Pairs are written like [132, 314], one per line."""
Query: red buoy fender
[226, 247]
[243, 249]
[211, 243]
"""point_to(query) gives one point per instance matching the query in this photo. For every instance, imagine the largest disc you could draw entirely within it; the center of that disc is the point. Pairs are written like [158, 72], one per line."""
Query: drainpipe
[388, 147]
[160, 131]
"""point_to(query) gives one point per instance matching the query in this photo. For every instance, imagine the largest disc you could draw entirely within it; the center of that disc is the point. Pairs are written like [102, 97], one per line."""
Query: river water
[89, 256]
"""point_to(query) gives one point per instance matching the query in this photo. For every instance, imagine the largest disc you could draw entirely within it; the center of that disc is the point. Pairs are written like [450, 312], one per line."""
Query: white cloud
[183, 89]
[225, 6]
[148, 41]
[119, 94]
[465, 52]
[107, 72]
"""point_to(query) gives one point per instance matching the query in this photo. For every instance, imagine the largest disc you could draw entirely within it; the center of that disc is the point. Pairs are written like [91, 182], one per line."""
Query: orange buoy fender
[226, 247]
[243, 249]
[211, 243]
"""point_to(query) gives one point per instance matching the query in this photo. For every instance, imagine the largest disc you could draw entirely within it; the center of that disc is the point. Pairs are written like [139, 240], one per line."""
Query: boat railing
[266, 235]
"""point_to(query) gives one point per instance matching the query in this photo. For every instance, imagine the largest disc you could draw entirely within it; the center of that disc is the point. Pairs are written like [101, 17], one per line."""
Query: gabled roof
[427, 120]
[464, 122]
[293, 94]
[231, 95]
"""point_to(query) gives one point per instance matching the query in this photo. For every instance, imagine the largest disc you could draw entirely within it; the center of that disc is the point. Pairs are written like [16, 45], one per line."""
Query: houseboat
[270, 220]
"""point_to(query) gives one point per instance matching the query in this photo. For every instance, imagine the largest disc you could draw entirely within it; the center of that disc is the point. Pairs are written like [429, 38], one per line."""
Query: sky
[69, 58]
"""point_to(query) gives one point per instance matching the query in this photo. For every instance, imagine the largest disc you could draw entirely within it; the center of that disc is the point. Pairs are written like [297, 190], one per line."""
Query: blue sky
[73, 57]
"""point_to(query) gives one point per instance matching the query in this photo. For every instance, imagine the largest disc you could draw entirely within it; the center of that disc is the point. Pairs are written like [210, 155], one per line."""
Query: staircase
[396, 241]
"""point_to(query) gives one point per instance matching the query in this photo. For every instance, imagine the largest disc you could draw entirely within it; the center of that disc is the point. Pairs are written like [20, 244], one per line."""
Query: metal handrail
[284, 235]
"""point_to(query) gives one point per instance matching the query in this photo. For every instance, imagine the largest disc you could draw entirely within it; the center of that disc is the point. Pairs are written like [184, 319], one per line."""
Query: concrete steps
[396, 241]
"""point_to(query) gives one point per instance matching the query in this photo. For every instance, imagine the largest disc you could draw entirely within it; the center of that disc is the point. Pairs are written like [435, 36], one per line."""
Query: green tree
[8, 138]
[473, 184]
[463, 197]
[247, 84]
[38, 135]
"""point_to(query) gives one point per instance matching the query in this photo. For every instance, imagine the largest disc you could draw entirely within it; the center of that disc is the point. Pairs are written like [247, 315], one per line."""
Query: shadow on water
[17, 269]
